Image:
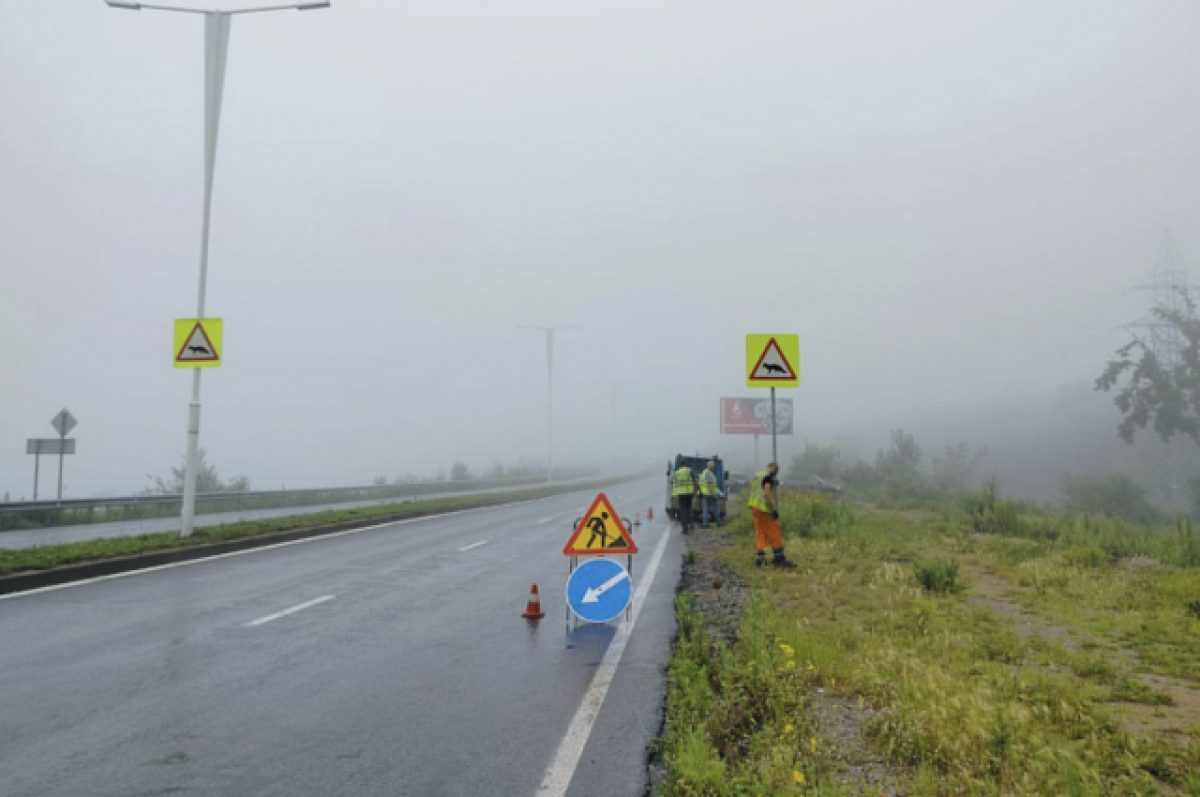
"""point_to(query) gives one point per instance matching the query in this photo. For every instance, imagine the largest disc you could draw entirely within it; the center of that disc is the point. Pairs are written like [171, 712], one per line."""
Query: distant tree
[954, 469]
[459, 472]
[899, 467]
[861, 477]
[1114, 496]
[497, 471]
[207, 480]
[381, 481]
[816, 460]
[1165, 395]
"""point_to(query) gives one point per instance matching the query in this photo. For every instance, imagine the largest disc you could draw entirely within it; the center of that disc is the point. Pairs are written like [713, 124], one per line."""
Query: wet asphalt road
[57, 535]
[417, 677]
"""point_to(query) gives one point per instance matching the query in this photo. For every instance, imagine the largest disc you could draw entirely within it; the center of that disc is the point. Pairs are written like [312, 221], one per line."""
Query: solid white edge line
[473, 545]
[293, 610]
[558, 775]
[318, 538]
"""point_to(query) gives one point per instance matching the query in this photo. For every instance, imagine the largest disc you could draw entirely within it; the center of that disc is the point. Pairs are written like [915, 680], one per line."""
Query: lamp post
[550, 394]
[216, 48]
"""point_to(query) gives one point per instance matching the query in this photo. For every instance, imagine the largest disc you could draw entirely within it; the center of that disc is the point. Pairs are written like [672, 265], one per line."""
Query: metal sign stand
[573, 562]
[37, 458]
[61, 451]
[774, 444]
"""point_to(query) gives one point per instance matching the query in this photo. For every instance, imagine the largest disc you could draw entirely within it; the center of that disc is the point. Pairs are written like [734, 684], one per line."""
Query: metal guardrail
[23, 515]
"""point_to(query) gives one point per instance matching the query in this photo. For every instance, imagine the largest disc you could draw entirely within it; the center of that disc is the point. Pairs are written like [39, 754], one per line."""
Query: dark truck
[697, 464]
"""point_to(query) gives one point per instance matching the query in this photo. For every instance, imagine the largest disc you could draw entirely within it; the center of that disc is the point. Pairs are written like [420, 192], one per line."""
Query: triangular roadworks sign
[599, 532]
[772, 366]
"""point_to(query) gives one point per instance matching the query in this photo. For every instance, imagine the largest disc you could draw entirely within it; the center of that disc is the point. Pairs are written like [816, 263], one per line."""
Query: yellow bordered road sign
[198, 342]
[773, 360]
[599, 532]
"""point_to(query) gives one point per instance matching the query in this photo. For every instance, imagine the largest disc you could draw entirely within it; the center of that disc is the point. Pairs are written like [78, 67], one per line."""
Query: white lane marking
[173, 565]
[546, 520]
[293, 610]
[473, 545]
[562, 769]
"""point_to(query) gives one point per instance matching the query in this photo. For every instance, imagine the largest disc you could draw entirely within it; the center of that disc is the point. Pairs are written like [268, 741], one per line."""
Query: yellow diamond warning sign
[773, 360]
[198, 342]
[600, 531]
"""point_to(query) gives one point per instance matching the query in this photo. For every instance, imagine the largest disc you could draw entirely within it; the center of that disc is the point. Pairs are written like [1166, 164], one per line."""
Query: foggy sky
[949, 202]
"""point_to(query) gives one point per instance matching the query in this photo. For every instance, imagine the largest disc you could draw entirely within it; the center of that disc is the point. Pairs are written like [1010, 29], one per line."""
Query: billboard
[753, 415]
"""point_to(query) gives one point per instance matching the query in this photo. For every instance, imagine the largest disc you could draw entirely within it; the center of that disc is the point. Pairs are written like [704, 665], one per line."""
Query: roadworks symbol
[600, 531]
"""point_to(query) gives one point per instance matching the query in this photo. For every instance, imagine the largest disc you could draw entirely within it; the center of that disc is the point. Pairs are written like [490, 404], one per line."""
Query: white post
[216, 49]
[62, 444]
[549, 406]
[774, 444]
[613, 464]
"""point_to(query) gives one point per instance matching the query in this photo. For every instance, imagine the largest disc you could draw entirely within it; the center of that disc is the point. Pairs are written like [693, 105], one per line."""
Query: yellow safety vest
[708, 482]
[682, 483]
[758, 496]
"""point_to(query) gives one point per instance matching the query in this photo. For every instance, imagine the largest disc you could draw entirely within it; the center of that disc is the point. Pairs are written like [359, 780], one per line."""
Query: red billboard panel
[753, 415]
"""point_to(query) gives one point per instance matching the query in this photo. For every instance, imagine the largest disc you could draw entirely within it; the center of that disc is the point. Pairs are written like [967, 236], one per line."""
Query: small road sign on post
[599, 590]
[63, 423]
[199, 342]
[773, 361]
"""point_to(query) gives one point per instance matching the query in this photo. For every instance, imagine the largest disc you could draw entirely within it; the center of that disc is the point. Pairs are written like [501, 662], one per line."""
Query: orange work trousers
[766, 531]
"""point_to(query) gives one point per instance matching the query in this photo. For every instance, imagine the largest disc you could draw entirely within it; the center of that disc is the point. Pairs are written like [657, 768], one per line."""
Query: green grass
[964, 698]
[47, 557]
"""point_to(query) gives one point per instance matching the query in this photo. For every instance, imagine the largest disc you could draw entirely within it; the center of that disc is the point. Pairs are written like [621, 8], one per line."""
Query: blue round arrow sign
[599, 590]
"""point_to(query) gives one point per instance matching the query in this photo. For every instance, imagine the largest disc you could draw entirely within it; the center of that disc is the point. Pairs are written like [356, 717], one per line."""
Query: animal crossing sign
[600, 531]
[773, 360]
[198, 342]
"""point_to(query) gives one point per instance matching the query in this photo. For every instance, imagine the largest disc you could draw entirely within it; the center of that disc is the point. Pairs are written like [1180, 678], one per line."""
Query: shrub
[1189, 546]
[990, 514]
[1116, 496]
[815, 515]
[938, 576]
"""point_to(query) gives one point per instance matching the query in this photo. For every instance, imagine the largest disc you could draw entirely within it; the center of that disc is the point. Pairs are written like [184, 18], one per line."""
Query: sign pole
[216, 50]
[37, 459]
[774, 442]
[757, 462]
[62, 445]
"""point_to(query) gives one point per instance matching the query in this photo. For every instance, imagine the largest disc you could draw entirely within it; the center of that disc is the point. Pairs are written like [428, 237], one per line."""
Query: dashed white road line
[562, 769]
[293, 610]
[473, 545]
[546, 520]
[206, 559]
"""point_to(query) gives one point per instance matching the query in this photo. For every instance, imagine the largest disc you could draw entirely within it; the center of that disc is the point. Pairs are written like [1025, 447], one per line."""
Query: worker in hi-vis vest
[683, 487]
[710, 495]
[764, 505]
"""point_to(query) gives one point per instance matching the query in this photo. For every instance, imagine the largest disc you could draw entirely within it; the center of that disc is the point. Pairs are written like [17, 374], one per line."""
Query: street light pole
[550, 394]
[216, 51]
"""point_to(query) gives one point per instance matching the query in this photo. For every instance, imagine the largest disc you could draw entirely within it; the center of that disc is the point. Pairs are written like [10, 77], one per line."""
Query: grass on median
[956, 693]
[47, 557]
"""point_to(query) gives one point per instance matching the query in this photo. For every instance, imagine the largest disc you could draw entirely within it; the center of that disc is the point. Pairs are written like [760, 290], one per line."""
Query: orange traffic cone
[650, 513]
[533, 611]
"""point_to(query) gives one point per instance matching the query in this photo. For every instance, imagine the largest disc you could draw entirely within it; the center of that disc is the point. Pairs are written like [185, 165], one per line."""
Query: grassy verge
[973, 663]
[47, 557]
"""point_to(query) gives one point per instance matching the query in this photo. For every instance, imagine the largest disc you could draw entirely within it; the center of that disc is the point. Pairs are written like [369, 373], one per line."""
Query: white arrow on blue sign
[599, 590]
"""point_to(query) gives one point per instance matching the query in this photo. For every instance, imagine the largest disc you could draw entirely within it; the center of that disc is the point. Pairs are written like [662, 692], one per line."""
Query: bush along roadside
[911, 654]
